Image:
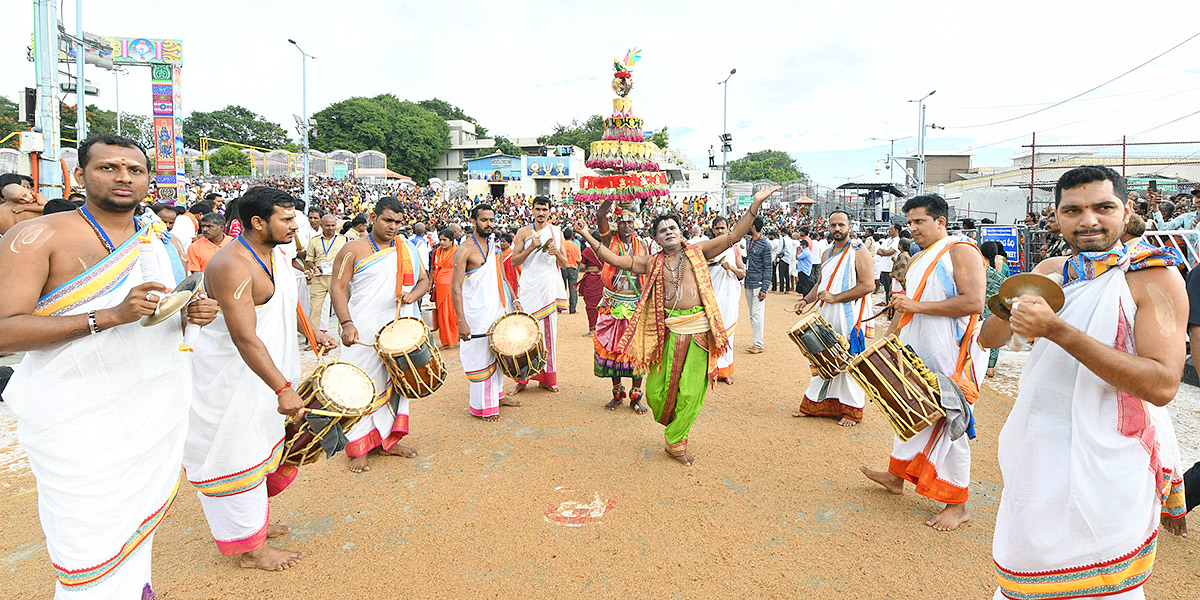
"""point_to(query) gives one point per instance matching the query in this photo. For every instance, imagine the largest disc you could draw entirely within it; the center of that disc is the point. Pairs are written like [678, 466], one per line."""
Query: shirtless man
[538, 252]
[482, 293]
[248, 366]
[18, 203]
[678, 281]
[75, 284]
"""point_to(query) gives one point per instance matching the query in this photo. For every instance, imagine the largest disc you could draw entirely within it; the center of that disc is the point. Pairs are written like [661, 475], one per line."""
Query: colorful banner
[621, 182]
[548, 166]
[145, 51]
[166, 151]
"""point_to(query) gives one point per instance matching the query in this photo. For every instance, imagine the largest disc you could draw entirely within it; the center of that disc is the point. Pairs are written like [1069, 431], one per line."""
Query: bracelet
[343, 323]
[92, 325]
[605, 232]
[285, 386]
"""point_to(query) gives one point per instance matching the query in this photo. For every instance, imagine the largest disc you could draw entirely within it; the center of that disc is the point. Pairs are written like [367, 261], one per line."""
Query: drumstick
[362, 343]
[325, 413]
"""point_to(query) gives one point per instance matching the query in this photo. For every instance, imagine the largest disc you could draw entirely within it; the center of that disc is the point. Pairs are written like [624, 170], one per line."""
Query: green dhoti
[675, 388]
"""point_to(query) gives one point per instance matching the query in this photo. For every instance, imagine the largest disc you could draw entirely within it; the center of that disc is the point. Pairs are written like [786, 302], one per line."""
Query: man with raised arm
[843, 297]
[101, 402]
[1088, 452]
[938, 318]
[377, 278]
[621, 293]
[483, 292]
[676, 333]
[249, 365]
[538, 252]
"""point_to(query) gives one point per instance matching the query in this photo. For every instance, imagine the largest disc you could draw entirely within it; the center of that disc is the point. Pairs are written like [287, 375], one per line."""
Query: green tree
[138, 128]
[233, 124]
[98, 121]
[771, 165]
[505, 146]
[576, 134]
[10, 122]
[446, 110]
[413, 138]
[661, 138]
[228, 161]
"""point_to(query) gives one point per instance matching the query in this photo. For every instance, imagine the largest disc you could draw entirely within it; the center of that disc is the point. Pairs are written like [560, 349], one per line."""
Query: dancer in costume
[622, 290]
[538, 252]
[843, 295]
[483, 292]
[378, 279]
[1088, 453]
[101, 402]
[938, 317]
[676, 334]
[726, 272]
[443, 280]
[246, 363]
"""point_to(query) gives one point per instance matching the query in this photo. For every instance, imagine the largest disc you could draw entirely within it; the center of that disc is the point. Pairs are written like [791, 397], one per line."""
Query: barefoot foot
[614, 403]
[1175, 526]
[270, 558]
[490, 419]
[359, 464]
[520, 388]
[847, 423]
[684, 459]
[727, 380]
[275, 530]
[506, 401]
[950, 518]
[799, 412]
[638, 407]
[398, 450]
[552, 388]
[890, 482]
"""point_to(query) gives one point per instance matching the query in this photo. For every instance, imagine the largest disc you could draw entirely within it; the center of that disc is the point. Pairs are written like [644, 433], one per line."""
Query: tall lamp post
[725, 147]
[891, 154]
[921, 143]
[304, 56]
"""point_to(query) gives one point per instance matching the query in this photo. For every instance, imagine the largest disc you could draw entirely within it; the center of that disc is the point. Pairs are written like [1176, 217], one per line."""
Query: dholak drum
[827, 350]
[340, 388]
[413, 362]
[897, 381]
[517, 342]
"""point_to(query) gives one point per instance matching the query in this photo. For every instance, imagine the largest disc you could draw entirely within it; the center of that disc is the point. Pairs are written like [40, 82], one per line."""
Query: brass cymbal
[176, 300]
[1022, 284]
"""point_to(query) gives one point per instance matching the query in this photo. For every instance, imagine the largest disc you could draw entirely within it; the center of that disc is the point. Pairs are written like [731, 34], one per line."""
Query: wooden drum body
[413, 362]
[897, 381]
[340, 388]
[516, 340]
[827, 350]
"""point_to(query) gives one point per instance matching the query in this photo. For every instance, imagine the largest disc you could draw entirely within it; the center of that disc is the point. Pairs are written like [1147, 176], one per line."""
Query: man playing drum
[247, 362]
[676, 333]
[101, 402]
[482, 293]
[726, 272]
[621, 293]
[1087, 452]
[364, 294]
[847, 280]
[937, 316]
[537, 251]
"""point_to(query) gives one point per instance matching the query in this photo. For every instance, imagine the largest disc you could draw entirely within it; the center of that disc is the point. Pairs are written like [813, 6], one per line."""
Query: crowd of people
[1087, 441]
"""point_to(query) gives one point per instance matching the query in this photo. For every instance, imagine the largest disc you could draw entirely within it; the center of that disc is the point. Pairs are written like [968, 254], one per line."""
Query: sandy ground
[565, 499]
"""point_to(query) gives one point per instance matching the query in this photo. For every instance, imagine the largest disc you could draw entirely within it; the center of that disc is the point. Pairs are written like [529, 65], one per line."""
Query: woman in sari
[590, 286]
[443, 273]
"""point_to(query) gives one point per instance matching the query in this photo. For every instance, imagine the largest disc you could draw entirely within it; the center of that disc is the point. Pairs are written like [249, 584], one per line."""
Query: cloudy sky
[816, 79]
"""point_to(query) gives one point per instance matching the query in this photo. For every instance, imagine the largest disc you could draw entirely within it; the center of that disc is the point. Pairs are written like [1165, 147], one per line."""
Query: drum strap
[964, 371]
[833, 274]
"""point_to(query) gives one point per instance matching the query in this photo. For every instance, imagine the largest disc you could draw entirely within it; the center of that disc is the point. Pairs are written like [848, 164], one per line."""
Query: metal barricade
[1187, 241]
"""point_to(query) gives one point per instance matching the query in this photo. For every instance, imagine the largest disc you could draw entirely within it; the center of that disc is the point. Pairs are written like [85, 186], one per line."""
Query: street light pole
[724, 145]
[304, 56]
[80, 88]
[921, 143]
[117, 93]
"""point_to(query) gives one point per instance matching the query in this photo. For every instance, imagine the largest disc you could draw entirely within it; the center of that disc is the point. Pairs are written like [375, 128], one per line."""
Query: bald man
[318, 262]
[18, 203]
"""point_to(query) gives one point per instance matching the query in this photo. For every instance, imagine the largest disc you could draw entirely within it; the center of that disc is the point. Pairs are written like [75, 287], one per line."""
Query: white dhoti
[485, 298]
[103, 420]
[235, 435]
[939, 466]
[542, 293]
[1085, 466]
[842, 396]
[728, 289]
[372, 306]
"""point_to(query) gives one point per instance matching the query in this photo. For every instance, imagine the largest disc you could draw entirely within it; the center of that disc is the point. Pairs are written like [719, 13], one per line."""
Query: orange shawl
[643, 340]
